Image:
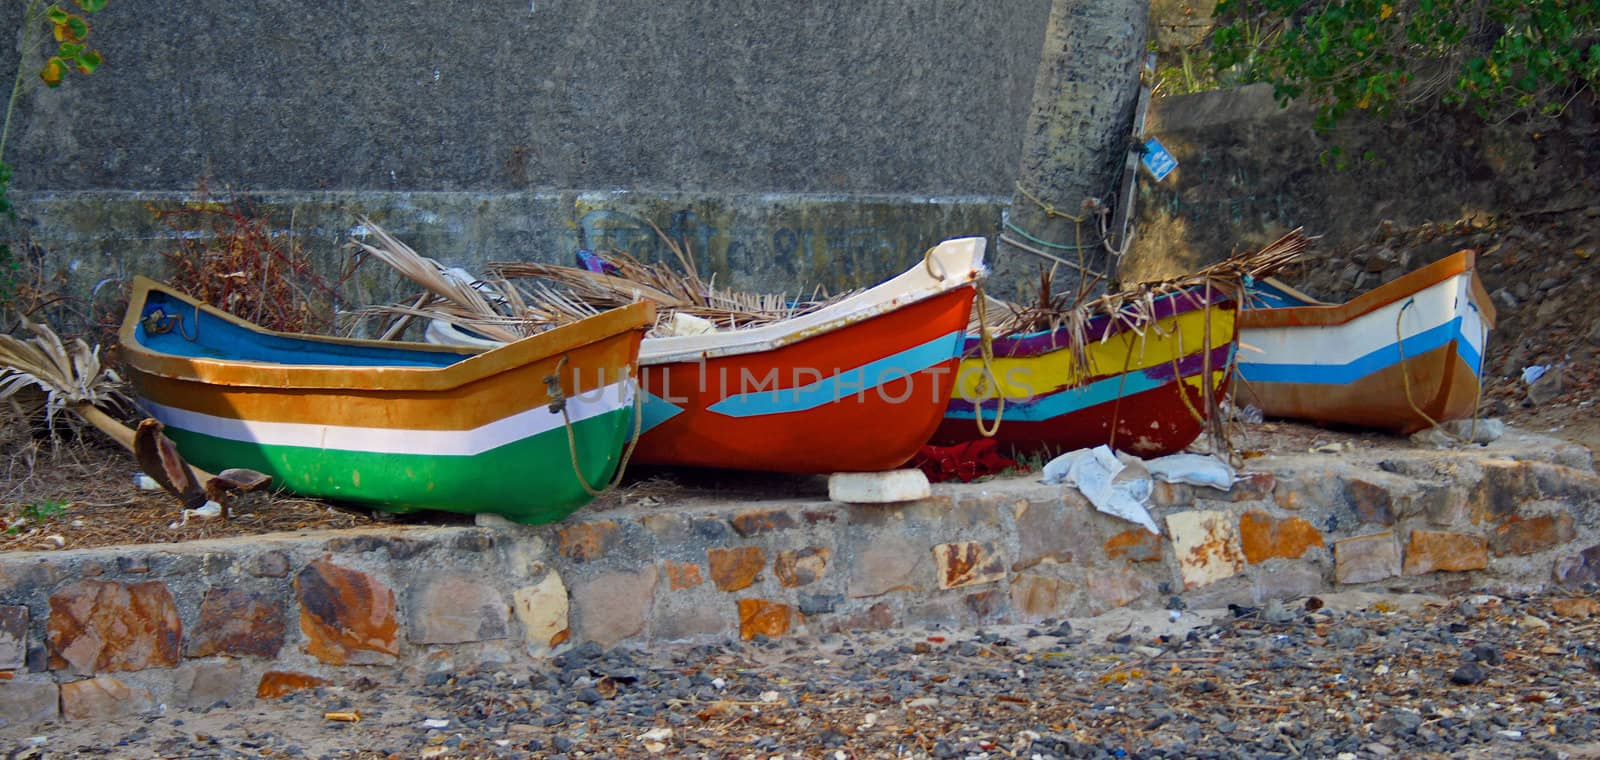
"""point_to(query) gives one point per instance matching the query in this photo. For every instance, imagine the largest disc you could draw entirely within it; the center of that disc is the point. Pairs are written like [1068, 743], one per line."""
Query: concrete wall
[1250, 170]
[793, 145]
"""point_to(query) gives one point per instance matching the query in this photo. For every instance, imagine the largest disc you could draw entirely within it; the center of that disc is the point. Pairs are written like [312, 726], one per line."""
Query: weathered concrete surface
[97, 241]
[1250, 171]
[398, 602]
[834, 96]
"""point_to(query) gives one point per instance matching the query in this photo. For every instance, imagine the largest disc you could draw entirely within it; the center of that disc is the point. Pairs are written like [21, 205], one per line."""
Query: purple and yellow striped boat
[398, 427]
[1140, 383]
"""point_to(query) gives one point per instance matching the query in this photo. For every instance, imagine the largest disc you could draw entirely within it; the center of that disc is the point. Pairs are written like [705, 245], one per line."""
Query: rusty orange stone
[348, 616]
[1527, 535]
[584, 542]
[753, 521]
[98, 626]
[1264, 537]
[1134, 545]
[800, 567]
[762, 617]
[735, 569]
[682, 575]
[276, 684]
[1439, 550]
[237, 623]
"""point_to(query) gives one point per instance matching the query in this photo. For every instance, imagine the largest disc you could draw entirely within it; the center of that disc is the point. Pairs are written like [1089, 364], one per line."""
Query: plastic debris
[145, 483]
[1094, 473]
[1192, 469]
[1530, 375]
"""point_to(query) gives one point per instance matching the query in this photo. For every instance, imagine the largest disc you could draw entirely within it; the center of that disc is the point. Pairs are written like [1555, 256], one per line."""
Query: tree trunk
[1076, 143]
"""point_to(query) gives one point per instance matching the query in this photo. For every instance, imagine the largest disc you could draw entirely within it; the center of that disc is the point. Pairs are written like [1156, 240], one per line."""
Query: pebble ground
[1346, 676]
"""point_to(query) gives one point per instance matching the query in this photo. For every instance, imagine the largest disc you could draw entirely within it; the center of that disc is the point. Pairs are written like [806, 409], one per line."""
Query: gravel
[1428, 677]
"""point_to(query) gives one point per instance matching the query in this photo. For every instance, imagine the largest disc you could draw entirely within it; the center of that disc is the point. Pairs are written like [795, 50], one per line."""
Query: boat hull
[398, 427]
[860, 398]
[1399, 358]
[1142, 391]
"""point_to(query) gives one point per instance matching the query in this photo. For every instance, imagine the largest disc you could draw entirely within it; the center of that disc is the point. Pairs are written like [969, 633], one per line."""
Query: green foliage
[1497, 57]
[15, 516]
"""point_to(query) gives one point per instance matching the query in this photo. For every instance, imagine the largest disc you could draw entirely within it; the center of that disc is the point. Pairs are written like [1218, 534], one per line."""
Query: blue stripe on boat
[1341, 374]
[1075, 399]
[843, 384]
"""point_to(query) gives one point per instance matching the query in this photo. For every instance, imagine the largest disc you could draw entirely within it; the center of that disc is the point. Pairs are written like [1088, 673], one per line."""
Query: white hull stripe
[477, 440]
[1430, 309]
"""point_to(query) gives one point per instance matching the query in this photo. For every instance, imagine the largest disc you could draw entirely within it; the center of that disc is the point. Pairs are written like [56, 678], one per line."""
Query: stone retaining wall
[91, 633]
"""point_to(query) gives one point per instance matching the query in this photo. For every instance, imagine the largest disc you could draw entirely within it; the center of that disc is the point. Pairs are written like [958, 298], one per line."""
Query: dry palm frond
[447, 296]
[1134, 305]
[499, 309]
[71, 378]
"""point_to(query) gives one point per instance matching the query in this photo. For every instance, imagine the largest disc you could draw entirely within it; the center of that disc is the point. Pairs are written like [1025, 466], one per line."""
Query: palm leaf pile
[1134, 306]
[503, 307]
[70, 378]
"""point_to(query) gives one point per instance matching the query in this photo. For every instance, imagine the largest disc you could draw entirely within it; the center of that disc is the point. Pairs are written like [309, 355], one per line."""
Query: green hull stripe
[530, 480]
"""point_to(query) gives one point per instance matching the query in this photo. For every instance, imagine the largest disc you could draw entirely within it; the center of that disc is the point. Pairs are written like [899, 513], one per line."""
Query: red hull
[856, 430]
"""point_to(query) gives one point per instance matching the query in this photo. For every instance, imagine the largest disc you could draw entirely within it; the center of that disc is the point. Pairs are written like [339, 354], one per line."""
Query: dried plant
[70, 378]
[228, 256]
[501, 308]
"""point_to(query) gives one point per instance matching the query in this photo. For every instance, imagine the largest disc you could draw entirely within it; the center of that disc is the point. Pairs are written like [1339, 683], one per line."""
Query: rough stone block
[1505, 486]
[97, 626]
[1438, 550]
[879, 617]
[13, 637]
[968, 563]
[1056, 530]
[986, 605]
[270, 564]
[801, 567]
[1264, 537]
[1108, 588]
[347, 616]
[890, 563]
[1134, 545]
[682, 575]
[103, 698]
[456, 609]
[1578, 569]
[542, 611]
[735, 569]
[23, 703]
[1207, 546]
[1253, 486]
[1372, 502]
[686, 623]
[587, 541]
[276, 684]
[238, 623]
[1443, 506]
[889, 487]
[1530, 535]
[1558, 482]
[1287, 580]
[753, 521]
[612, 607]
[1035, 597]
[763, 617]
[1364, 559]
[203, 684]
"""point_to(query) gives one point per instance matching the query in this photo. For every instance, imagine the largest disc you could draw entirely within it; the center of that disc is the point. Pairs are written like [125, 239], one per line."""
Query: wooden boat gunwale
[962, 268]
[1404, 286]
[475, 364]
